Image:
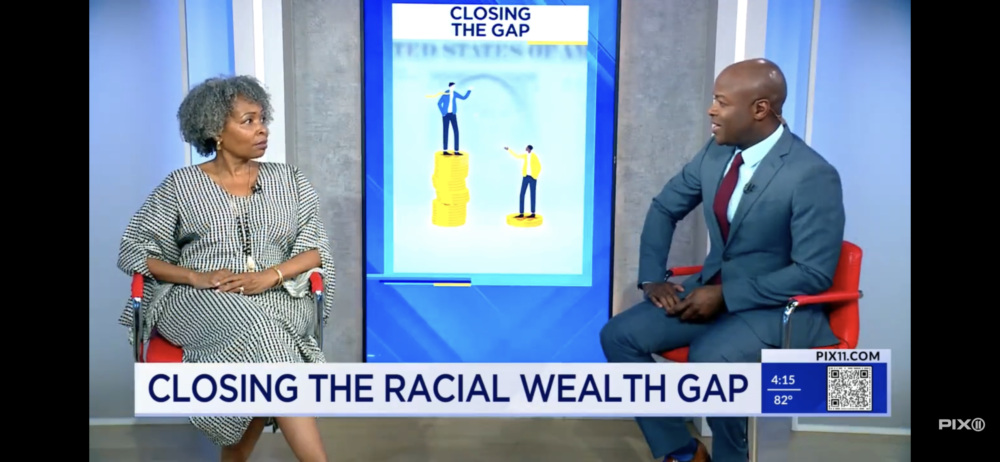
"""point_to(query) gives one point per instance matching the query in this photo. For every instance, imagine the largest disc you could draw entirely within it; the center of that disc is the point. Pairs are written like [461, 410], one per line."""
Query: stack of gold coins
[451, 204]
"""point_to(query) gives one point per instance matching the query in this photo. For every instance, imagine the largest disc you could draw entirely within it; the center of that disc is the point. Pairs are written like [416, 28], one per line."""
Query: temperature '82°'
[782, 400]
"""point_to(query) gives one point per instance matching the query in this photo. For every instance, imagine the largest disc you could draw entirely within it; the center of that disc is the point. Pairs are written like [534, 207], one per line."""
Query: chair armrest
[316, 283]
[683, 271]
[137, 284]
[826, 297]
[316, 286]
[803, 300]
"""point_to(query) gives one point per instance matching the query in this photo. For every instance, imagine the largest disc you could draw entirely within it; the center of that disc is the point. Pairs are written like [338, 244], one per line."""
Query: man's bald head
[762, 79]
[747, 102]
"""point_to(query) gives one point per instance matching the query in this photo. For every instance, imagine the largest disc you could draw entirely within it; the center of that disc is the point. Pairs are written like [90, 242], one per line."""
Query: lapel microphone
[748, 188]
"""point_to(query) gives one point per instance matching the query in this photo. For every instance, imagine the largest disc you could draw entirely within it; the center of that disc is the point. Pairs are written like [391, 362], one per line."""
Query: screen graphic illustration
[451, 204]
[448, 105]
[450, 207]
[460, 265]
[530, 169]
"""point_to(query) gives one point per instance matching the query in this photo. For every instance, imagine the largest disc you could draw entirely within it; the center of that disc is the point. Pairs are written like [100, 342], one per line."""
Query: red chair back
[159, 350]
[845, 317]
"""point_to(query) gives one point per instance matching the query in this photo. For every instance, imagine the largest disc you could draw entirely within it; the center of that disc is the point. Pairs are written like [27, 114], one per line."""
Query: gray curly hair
[204, 110]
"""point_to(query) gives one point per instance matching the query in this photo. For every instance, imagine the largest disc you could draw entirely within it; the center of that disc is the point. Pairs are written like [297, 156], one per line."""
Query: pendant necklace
[244, 232]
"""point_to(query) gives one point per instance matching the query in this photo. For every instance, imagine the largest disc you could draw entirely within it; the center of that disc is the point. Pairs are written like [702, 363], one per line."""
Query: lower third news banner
[787, 382]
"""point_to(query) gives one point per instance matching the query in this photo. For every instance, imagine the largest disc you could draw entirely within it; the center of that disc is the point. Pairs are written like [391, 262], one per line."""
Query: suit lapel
[762, 177]
[715, 169]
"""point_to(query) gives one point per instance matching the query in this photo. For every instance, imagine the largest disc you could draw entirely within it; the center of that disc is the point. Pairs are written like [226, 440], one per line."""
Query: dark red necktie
[721, 205]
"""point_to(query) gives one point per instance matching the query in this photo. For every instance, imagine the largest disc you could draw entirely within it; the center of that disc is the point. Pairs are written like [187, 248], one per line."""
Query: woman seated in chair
[227, 248]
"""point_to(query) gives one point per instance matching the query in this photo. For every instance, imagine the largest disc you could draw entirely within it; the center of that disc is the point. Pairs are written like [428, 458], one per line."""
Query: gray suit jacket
[784, 239]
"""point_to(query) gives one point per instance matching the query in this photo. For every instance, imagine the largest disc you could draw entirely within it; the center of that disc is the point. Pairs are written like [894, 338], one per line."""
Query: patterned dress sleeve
[311, 234]
[150, 233]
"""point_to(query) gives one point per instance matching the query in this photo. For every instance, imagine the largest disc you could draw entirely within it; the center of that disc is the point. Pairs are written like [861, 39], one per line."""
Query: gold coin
[452, 197]
[464, 155]
[524, 222]
[449, 208]
[453, 202]
[449, 186]
[446, 180]
[451, 166]
[451, 161]
[448, 215]
[451, 173]
[446, 164]
[440, 208]
[448, 177]
[448, 224]
[439, 205]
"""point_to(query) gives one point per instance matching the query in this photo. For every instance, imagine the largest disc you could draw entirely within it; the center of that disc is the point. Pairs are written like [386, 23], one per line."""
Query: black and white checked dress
[189, 221]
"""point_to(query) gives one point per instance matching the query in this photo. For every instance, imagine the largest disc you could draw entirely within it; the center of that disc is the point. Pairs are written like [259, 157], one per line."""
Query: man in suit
[448, 105]
[775, 216]
[531, 167]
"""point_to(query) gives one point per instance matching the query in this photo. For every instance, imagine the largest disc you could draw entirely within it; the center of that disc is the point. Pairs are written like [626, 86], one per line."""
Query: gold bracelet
[281, 277]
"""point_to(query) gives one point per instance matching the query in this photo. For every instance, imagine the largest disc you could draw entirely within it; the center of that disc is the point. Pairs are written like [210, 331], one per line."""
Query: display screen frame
[366, 42]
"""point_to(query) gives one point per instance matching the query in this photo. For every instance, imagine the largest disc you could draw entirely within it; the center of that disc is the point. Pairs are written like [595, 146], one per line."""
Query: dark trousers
[527, 182]
[453, 120]
[634, 335]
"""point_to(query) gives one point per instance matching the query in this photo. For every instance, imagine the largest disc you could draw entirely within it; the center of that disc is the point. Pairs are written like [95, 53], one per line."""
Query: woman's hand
[249, 283]
[210, 279]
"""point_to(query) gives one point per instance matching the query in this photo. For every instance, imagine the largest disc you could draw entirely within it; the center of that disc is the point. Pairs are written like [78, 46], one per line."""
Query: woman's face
[245, 132]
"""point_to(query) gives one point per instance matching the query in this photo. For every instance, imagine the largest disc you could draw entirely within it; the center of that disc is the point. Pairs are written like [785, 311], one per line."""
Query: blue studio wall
[135, 87]
[209, 25]
[137, 81]
[861, 124]
[789, 32]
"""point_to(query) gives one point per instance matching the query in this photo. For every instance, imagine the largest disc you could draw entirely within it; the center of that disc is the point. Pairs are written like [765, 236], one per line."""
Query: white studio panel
[185, 80]
[259, 51]
[740, 33]
[811, 88]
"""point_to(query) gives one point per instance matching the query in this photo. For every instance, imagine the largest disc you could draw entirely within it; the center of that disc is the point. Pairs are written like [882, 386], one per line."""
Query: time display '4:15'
[783, 380]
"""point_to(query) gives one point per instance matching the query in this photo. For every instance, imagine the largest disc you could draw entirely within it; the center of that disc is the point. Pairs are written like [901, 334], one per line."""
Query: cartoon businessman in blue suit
[448, 105]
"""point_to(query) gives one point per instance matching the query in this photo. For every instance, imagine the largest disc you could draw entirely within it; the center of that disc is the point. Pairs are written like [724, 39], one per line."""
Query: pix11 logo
[976, 424]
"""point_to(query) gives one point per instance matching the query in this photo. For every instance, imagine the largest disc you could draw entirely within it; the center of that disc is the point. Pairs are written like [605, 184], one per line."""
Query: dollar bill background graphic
[521, 94]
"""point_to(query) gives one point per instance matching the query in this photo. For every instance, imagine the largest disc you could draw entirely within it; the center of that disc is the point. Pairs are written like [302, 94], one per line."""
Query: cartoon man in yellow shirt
[530, 169]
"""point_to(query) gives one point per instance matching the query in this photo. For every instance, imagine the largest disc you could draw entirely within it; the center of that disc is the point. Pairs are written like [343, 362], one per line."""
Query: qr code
[849, 388]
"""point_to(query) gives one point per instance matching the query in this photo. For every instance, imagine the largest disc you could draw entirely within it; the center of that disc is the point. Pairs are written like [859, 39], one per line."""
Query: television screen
[489, 155]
